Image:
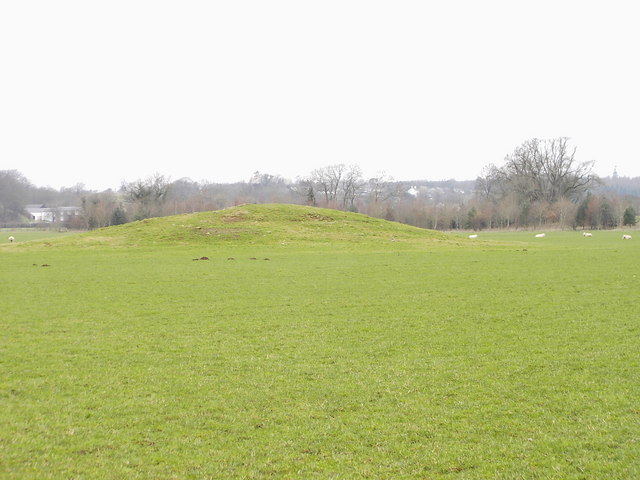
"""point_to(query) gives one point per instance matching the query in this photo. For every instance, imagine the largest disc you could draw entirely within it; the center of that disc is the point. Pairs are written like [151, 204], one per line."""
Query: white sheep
[11, 239]
[540, 235]
[473, 236]
[626, 237]
[586, 234]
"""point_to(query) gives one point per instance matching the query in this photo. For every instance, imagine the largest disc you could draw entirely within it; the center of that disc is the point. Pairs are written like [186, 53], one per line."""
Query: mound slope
[271, 224]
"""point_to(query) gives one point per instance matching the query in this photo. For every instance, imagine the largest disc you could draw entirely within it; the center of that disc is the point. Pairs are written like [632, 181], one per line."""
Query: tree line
[541, 183]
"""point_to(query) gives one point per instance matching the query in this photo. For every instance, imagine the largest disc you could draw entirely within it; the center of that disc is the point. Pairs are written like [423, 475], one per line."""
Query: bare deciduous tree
[548, 170]
[488, 183]
[148, 195]
[339, 185]
[14, 194]
[327, 181]
[382, 188]
[351, 185]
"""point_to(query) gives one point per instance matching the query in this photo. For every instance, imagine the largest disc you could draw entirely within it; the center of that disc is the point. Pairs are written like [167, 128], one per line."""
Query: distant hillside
[622, 186]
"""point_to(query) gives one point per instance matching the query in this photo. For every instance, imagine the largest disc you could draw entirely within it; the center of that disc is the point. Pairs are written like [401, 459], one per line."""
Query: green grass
[29, 234]
[259, 225]
[345, 355]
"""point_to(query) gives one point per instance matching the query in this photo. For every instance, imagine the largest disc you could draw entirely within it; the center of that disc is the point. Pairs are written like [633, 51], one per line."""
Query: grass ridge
[252, 224]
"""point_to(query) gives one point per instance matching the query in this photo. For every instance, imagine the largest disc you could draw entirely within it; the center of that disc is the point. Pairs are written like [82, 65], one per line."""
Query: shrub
[629, 217]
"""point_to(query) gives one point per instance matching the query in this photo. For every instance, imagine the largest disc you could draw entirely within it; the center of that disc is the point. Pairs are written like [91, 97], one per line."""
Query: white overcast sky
[101, 92]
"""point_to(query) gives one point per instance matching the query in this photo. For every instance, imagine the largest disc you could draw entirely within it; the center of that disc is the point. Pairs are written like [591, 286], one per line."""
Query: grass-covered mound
[275, 224]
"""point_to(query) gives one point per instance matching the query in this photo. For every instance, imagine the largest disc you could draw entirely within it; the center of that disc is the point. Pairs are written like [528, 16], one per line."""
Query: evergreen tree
[629, 217]
[607, 216]
[581, 215]
[119, 216]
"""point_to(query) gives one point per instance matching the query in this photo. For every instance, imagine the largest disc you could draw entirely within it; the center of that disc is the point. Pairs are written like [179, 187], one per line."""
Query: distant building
[40, 213]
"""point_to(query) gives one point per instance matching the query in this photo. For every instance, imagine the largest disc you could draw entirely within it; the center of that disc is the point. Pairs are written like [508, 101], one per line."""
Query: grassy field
[29, 234]
[318, 344]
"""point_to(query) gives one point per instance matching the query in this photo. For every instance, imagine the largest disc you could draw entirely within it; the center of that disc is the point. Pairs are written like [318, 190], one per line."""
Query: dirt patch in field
[317, 217]
[228, 233]
[235, 216]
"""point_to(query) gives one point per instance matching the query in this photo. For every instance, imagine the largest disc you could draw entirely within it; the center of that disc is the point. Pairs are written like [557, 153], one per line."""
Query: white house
[43, 214]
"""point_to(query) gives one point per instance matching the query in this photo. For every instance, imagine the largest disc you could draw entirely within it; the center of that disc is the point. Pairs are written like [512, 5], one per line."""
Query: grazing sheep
[626, 237]
[586, 234]
[11, 239]
[540, 235]
[473, 236]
